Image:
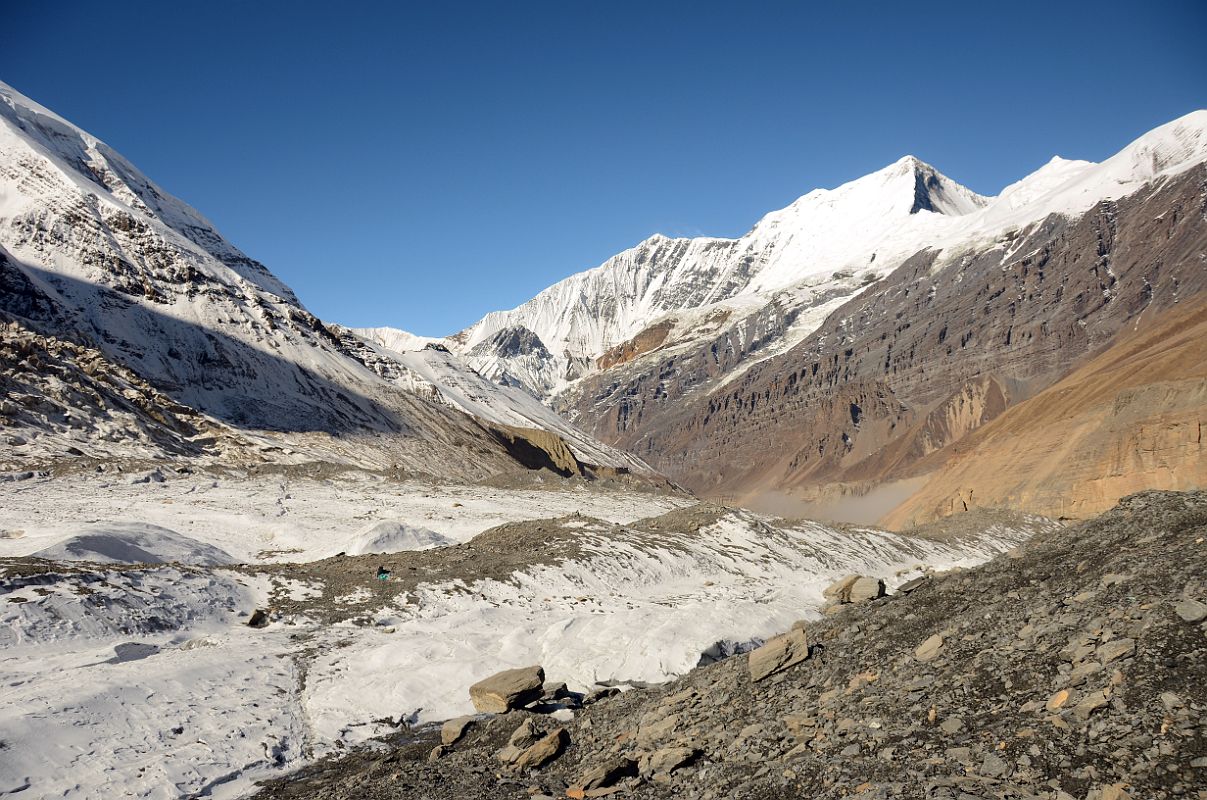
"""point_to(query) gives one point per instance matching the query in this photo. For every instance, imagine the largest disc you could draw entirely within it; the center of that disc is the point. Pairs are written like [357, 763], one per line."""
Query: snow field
[148, 682]
[273, 519]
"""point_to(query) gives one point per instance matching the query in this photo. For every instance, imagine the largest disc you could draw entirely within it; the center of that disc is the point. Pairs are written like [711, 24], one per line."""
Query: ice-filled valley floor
[146, 681]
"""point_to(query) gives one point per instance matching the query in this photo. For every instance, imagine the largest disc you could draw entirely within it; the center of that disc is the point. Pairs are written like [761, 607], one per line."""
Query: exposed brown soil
[1132, 418]
[649, 339]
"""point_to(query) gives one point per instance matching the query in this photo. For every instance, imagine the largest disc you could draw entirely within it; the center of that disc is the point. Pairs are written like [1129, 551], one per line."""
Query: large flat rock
[779, 654]
[508, 689]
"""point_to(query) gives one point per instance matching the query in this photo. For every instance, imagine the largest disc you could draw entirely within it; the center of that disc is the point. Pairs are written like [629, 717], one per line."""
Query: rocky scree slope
[1130, 419]
[1070, 667]
[73, 395]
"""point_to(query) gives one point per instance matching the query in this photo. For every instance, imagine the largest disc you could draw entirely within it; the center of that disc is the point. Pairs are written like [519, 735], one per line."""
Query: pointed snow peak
[513, 341]
[932, 190]
[911, 185]
[907, 164]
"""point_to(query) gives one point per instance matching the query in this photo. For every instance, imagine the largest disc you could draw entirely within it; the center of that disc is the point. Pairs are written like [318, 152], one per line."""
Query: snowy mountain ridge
[866, 227]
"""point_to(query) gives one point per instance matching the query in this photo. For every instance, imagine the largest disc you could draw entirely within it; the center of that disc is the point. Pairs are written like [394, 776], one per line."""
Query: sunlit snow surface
[148, 683]
[279, 519]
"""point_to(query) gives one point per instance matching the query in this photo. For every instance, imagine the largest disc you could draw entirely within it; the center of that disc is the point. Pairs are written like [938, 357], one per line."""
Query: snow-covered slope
[92, 251]
[158, 289]
[866, 227]
[125, 542]
[147, 275]
[397, 340]
[394, 536]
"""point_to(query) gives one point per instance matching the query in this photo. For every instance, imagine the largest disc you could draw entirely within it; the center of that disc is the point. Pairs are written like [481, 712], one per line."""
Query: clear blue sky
[417, 165]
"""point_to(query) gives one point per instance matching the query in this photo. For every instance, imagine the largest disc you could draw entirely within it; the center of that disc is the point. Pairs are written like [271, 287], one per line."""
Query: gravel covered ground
[1074, 666]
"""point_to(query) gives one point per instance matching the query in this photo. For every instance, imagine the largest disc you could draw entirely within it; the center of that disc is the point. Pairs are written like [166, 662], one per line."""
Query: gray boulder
[666, 760]
[452, 731]
[854, 589]
[544, 751]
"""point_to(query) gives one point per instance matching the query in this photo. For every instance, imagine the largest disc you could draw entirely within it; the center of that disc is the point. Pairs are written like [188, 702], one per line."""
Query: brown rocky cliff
[1132, 418]
[649, 339]
[534, 448]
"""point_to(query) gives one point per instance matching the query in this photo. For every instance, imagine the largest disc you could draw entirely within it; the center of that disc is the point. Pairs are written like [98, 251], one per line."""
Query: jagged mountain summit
[867, 226]
[809, 250]
[106, 271]
[883, 216]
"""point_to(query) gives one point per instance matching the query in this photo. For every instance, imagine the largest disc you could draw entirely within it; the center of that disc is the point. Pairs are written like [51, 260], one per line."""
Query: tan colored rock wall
[1131, 419]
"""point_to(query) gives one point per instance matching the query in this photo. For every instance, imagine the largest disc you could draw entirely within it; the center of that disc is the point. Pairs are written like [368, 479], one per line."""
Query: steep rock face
[695, 351]
[516, 357]
[936, 349]
[73, 396]
[645, 341]
[512, 342]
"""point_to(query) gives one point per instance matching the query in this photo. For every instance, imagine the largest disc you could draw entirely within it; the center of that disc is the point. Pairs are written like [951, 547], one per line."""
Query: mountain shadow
[203, 367]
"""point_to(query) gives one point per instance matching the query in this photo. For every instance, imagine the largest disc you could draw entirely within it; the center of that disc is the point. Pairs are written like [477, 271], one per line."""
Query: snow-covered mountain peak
[865, 227]
[514, 341]
[887, 213]
[1051, 175]
[1070, 187]
[396, 339]
[35, 140]
[868, 208]
[860, 225]
[906, 166]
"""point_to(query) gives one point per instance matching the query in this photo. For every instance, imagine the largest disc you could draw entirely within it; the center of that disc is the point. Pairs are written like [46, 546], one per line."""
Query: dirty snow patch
[395, 536]
[134, 543]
